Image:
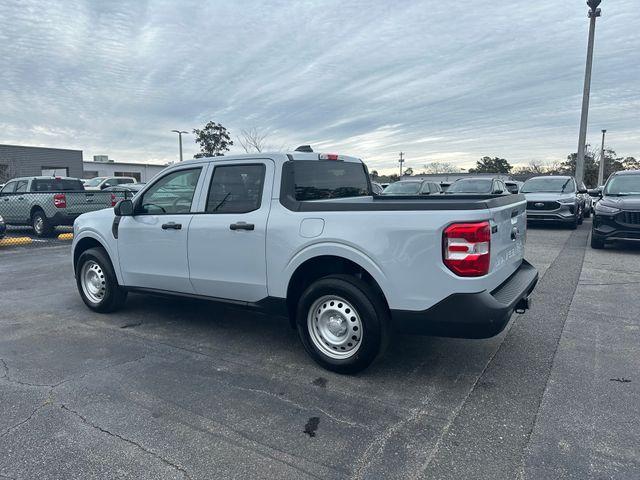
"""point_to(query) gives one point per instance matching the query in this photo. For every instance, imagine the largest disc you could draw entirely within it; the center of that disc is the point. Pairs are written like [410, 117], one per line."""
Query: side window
[21, 186]
[425, 189]
[435, 188]
[171, 194]
[235, 189]
[9, 187]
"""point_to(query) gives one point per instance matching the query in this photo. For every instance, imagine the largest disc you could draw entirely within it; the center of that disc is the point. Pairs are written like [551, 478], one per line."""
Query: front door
[152, 244]
[227, 240]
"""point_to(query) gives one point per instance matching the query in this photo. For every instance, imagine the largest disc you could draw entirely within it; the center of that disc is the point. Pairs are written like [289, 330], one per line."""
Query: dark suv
[617, 214]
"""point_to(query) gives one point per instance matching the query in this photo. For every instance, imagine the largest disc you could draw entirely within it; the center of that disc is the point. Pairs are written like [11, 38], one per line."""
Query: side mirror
[582, 190]
[594, 192]
[124, 208]
[498, 192]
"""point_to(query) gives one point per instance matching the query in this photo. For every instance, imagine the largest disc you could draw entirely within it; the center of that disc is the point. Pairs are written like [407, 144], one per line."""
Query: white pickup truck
[301, 234]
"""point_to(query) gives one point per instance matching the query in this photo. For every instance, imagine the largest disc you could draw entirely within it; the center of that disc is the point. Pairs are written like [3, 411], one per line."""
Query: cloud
[440, 81]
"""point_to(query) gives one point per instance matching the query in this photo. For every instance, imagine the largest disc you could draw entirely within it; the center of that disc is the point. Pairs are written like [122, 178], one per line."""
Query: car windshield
[94, 182]
[471, 185]
[623, 185]
[548, 184]
[403, 188]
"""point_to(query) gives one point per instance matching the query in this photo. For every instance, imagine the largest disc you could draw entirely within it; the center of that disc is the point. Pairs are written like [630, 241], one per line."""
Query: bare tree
[252, 139]
[441, 167]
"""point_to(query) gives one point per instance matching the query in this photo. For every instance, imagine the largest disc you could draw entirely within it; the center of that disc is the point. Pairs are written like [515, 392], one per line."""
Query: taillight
[113, 200]
[467, 248]
[60, 200]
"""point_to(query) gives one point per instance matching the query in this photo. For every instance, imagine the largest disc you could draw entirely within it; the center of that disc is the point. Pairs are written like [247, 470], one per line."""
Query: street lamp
[180, 132]
[594, 12]
[601, 168]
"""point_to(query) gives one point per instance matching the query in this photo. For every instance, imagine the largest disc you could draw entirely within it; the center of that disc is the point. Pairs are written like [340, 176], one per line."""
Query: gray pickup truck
[46, 202]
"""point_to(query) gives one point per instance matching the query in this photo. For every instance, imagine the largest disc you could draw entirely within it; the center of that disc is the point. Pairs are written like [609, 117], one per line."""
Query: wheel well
[35, 209]
[318, 267]
[84, 245]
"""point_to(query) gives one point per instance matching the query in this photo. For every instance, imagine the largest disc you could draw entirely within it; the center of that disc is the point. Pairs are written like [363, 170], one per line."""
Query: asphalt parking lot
[173, 388]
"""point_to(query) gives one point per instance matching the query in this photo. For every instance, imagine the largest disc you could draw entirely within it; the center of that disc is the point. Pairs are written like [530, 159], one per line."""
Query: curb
[65, 236]
[12, 241]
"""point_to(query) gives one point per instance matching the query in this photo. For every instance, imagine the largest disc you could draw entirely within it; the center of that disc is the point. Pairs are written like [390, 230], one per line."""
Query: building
[22, 161]
[102, 166]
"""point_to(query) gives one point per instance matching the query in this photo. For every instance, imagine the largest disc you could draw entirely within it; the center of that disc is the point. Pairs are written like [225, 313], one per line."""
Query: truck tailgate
[508, 236]
[83, 202]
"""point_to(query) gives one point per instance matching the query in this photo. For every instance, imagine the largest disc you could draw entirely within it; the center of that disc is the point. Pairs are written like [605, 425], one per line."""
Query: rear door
[152, 244]
[227, 240]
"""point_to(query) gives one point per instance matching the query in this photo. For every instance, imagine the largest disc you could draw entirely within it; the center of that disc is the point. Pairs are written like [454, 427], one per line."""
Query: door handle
[242, 226]
[172, 226]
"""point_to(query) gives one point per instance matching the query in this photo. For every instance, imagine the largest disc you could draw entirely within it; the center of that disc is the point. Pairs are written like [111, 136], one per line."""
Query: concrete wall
[111, 169]
[20, 161]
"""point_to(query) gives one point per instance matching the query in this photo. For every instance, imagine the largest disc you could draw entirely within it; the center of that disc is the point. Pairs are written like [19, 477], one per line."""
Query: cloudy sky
[440, 80]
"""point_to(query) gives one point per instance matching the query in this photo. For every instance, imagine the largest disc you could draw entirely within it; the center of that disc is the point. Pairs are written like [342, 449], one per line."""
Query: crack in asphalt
[22, 422]
[164, 460]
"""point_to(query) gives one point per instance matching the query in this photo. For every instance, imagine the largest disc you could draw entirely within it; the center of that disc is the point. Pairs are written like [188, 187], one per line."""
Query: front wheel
[596, 242]
[342, 323]
[97, 282]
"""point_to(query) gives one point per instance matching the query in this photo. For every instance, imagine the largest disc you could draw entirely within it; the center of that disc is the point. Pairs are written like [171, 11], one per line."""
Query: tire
[361, 332]
[574, 224]
[41, 226]
[97, 282]
[596, 242]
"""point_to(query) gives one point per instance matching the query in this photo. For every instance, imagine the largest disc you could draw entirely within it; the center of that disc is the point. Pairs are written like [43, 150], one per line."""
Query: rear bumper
[60, 218]
[470, 315]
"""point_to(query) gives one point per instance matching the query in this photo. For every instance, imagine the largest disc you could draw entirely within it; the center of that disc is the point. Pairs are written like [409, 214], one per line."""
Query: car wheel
[596, 242]
[40, 224]
[97, 282]
[342, 323]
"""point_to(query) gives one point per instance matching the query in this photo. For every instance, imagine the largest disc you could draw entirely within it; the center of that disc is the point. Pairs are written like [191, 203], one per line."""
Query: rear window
[323, 179]
[56, 185]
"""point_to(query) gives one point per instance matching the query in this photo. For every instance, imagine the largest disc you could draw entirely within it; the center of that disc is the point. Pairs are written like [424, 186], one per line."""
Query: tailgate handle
[494, 229]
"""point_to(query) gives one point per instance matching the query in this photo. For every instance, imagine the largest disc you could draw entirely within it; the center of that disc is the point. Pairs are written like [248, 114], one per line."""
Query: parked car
[377, 188]
[46, 202]
[554, 198]
[128, 187]
[412, 187]
[100, 183]
[3, 227]
[478, 185]
[301, 234]
[587, 200]
[513, 186]
[617, 214]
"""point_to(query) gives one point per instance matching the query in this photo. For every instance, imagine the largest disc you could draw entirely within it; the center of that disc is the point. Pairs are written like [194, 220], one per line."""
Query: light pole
[594, 12]
[401, 161]
[180, 132]
[601, 169]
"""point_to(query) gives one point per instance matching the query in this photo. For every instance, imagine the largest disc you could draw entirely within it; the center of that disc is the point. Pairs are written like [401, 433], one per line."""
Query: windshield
[471, 185]
[623, 185]
[548, 184]
[403, 188]
[94, 182]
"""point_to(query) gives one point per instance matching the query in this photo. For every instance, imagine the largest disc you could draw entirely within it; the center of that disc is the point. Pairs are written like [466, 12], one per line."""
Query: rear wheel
[40, 224]
[342, 323]
[596, 242]
[97, 282]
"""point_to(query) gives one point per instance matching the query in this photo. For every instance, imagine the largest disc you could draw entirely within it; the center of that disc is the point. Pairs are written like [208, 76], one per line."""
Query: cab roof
[279, 157]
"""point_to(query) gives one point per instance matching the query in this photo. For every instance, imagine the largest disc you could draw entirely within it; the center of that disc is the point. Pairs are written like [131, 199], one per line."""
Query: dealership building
[23, 161]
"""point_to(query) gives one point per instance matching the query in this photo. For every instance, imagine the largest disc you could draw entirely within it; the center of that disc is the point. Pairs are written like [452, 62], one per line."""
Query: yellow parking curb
[65, 236]
[10, 241]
